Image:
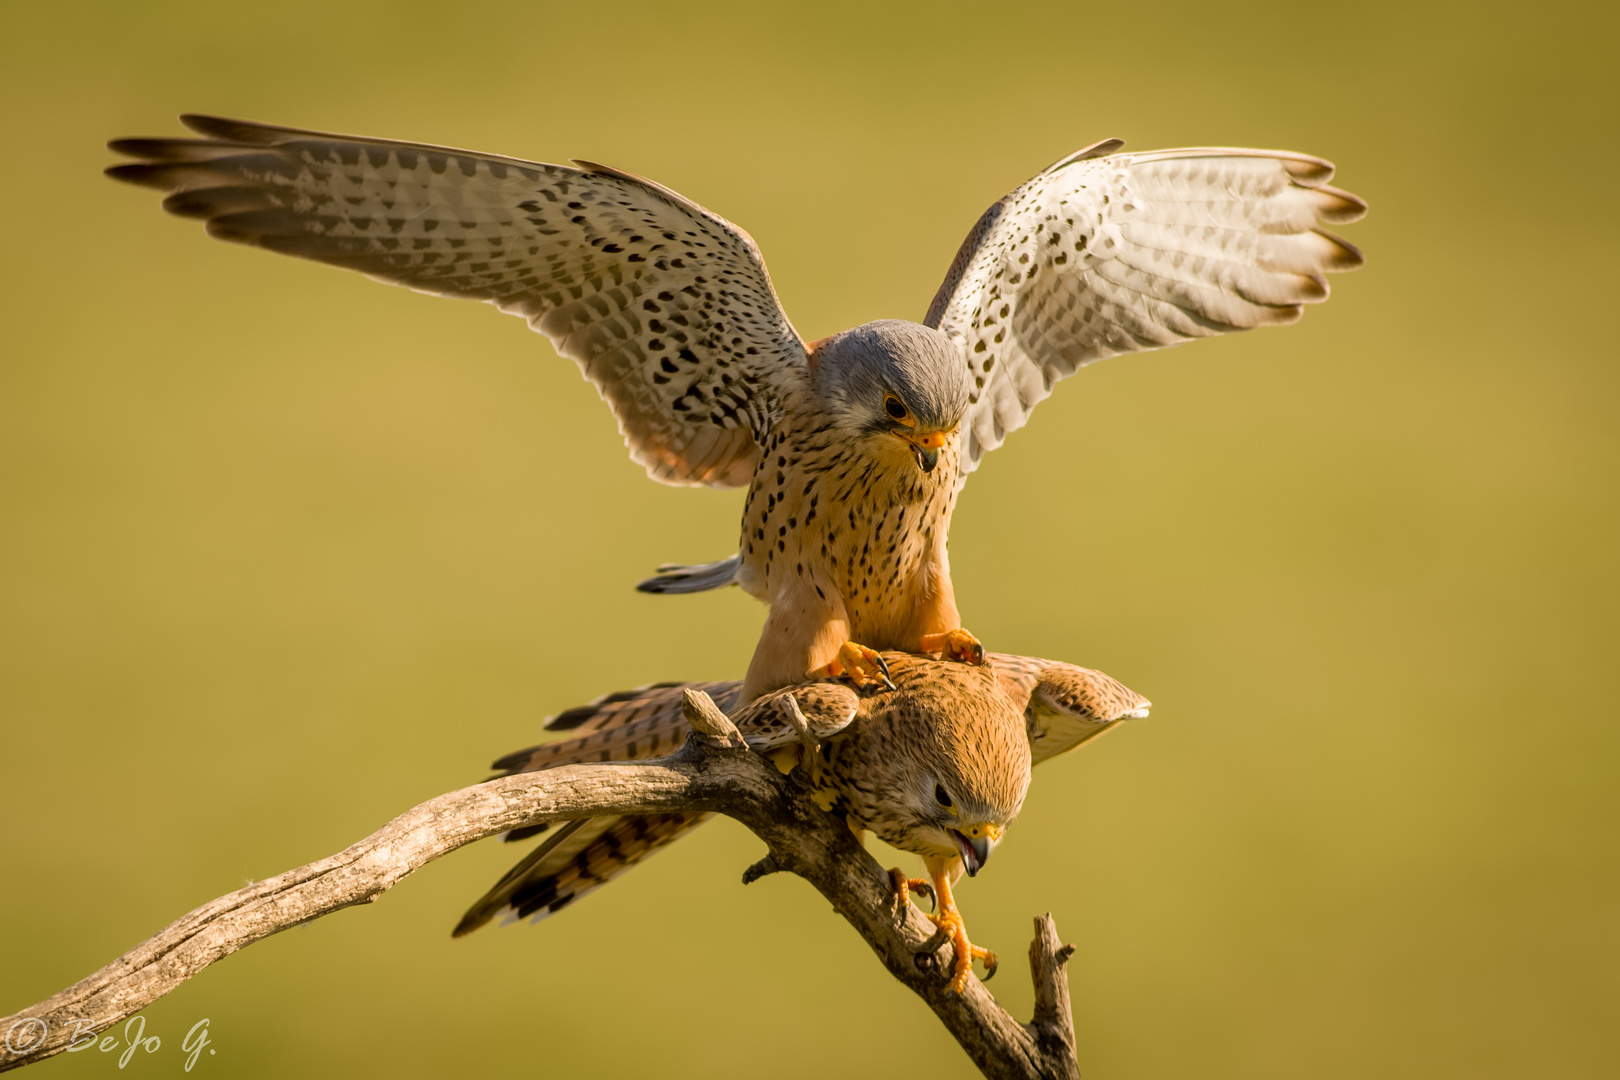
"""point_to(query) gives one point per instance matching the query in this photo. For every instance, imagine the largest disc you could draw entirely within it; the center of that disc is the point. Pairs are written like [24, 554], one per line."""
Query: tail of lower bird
[675, 578]
[582, 855]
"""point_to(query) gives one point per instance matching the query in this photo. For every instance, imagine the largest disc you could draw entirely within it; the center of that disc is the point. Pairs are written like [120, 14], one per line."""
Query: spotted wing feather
[1107, 253]
[1065, 705]
[666, 307]
[828, 708]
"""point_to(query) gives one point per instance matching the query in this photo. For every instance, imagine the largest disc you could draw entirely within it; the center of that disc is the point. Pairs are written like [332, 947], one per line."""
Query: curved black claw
[904, 887]
[883, 670]
[991, 963]
[975, 655]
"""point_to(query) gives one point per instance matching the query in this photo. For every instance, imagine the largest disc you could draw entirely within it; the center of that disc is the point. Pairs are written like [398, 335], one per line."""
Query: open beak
[975, 850]
[924, 448]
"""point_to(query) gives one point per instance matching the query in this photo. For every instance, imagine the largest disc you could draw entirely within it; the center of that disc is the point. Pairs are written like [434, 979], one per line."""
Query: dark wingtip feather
[207, 203]
[178, 150]
[470, 922]
[191, 204]
[137, 173]
[223, 229]
[1306, 170]
[1350, 256]
[186, 204]
[220, 127]
[1343, 208]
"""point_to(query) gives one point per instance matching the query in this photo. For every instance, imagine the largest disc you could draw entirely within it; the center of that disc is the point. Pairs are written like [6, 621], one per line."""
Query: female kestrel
[853, 447]
[937, 766]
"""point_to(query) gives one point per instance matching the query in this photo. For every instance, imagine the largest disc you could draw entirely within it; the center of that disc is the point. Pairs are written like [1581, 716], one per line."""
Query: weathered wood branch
[711, 772]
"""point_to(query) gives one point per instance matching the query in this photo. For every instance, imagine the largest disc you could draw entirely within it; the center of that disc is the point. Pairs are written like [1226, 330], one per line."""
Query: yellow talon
[904, 886]
[950, 921]
[947, 918]
[861, 666]
[955, 644]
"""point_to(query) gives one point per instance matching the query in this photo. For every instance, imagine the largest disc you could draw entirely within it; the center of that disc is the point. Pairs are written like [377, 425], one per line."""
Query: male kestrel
[938, 767]
[853, 447]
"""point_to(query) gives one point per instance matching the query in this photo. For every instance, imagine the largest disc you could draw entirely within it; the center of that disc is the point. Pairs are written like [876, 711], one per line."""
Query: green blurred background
[284, 552]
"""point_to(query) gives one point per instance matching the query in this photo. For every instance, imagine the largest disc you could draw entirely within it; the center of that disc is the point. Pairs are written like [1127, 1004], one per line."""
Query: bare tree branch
[1052, 1027]
[712, 772]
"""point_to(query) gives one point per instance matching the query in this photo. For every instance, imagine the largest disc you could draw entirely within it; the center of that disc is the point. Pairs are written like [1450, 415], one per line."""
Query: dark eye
[894, 408]
[941, 797]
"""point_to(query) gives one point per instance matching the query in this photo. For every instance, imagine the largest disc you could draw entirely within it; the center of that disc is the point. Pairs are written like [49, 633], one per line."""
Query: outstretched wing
[1107, 253]
[666, 307]
[1067, 705]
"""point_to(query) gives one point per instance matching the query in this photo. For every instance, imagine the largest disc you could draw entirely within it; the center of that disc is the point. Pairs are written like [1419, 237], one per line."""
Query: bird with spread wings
[853, 448]
[937, 767]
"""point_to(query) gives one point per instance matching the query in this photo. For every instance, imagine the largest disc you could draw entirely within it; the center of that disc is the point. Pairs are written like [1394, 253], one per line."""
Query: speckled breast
[822, 515]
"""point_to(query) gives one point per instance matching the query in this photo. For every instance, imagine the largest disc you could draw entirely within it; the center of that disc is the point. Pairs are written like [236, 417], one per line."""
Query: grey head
[893, 377]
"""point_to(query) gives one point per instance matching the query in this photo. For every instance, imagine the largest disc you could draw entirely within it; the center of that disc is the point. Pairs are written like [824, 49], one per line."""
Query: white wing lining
[1106, 253]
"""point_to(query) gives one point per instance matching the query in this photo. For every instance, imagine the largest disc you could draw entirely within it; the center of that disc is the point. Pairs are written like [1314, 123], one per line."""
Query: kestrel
[854, 447]
[938, 767]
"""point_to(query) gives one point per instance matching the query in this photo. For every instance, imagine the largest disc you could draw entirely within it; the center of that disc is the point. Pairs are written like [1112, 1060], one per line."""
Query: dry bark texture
[712, 772]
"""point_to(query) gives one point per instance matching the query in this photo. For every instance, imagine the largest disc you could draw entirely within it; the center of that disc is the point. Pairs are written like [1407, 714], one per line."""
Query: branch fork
[714, 771]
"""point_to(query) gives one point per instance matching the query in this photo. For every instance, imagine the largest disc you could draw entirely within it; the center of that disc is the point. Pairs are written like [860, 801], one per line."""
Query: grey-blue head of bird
[903, 385]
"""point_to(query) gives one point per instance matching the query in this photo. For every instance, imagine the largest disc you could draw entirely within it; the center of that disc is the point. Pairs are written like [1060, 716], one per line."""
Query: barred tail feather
[579, 858]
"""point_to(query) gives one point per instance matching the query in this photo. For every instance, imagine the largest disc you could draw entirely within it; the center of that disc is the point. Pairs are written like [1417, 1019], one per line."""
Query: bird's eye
[895, 407]
[941, 796]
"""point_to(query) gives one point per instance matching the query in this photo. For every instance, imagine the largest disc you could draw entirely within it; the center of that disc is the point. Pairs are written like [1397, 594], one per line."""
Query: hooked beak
[975, 850]
[924, 448]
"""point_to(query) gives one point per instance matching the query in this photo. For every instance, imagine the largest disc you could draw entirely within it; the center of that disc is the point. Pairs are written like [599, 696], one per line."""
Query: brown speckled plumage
[950, 728]
[974, 732]
[853, 448]
[843, 535]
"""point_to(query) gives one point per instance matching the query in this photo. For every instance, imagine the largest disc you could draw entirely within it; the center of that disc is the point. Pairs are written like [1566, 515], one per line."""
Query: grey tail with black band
[674, 578]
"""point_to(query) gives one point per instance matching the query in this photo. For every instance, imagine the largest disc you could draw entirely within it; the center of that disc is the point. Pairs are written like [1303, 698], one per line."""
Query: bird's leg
[937, 623]
[949, 919]
[904, 886]
[860, 665]
[955, 644]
